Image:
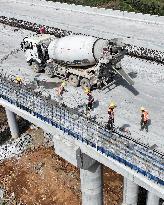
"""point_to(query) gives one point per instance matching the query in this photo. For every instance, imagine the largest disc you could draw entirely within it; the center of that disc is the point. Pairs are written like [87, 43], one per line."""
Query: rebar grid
[113, 144]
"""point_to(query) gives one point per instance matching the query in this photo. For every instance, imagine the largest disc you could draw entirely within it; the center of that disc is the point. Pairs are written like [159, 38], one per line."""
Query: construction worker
[60, 89]
[42, 30]
[90, 99]
[18, 80]
[111, 115]
[144, 119]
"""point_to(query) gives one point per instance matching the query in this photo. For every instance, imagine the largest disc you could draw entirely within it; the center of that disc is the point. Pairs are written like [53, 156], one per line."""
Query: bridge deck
[149, 86]
[120, 161]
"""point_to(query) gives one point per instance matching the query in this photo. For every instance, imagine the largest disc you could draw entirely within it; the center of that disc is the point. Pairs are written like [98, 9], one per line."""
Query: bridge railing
[114, 144]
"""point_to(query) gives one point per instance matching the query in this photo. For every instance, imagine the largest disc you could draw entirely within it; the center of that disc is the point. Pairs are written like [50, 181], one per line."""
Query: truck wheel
[73, 80]
[49, 71]
[36, 68]
[85, 83]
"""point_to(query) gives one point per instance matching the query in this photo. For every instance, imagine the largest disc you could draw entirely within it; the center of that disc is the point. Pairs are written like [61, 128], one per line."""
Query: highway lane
[140, 33]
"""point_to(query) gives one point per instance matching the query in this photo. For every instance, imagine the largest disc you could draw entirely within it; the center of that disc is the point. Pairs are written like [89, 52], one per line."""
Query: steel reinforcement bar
[133, 50]
[113, 145]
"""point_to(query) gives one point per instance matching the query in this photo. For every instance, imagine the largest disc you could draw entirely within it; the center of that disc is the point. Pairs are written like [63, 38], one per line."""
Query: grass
[154, 7]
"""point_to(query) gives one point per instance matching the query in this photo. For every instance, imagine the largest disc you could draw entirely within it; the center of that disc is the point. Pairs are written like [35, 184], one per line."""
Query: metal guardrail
[133, 50]
[114, 144]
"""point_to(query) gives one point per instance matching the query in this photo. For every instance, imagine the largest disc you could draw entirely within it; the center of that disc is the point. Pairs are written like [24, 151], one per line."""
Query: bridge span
[88, 145]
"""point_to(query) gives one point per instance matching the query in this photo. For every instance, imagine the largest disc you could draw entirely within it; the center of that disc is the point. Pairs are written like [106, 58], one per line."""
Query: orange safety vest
[111, 113]
[145, 116]
[60, 90]
[90, 98]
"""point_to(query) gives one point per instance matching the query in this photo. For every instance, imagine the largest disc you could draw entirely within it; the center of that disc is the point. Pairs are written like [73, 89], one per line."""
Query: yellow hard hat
[63, 83]
[18, 78]
[142, 108]
[87, 90]
[112, 105]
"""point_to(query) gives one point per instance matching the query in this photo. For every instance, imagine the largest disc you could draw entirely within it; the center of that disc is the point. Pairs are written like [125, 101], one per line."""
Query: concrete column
[91, 185]
[130, 193]
[152, 199]
[12, 123]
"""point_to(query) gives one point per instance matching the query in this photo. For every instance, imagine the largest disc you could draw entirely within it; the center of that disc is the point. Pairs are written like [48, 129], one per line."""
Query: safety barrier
[133, 50]
[114, 145]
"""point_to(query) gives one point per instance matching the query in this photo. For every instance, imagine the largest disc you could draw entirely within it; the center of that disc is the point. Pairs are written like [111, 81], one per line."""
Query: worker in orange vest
[144, 119]
[111, 108]
[90, 99]
[18, 80]
[42, 30]
[61, 88]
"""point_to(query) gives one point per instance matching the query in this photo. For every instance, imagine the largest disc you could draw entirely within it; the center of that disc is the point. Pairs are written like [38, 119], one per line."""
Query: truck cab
[36, 50]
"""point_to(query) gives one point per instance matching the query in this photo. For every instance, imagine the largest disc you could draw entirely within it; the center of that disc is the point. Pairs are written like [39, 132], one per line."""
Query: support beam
[12, 124]
[130, 193]
[91, 185]
[152, 199]
[83, 160]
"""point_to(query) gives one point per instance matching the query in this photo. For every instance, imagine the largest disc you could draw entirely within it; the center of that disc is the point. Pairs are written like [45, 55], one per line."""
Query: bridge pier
[92, 185]
[11, 117]
[130, 193]
[152, 199]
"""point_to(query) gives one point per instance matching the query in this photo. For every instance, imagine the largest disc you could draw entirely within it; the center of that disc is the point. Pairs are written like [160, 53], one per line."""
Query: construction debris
[15, 147]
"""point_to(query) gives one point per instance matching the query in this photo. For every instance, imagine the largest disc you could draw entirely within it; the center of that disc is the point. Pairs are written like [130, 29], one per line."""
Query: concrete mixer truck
[83, 60]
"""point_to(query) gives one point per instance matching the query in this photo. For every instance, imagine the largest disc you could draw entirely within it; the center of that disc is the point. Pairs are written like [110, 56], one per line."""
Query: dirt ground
[40, 177]
[2, 115]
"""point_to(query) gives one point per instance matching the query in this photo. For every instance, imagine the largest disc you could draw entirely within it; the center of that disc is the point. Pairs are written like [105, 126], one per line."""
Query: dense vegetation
[155, 7]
